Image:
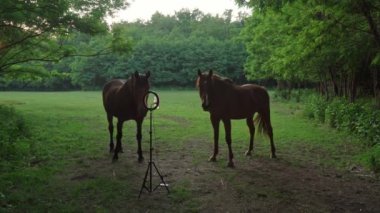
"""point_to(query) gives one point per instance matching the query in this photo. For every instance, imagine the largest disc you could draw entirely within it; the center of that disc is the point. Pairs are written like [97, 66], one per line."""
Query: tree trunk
[345, 93]
[325, 86]
[376, 86]
[333, 79]
[352, 86]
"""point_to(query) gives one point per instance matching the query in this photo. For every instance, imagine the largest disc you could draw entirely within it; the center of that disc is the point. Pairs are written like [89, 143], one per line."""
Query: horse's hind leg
[251, 127]
[119, 135]
[270, 134]
[139, 137]
[110, 129]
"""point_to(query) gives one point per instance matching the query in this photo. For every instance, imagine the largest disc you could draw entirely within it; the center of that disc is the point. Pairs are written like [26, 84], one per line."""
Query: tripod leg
[162, 178]
[143, 184]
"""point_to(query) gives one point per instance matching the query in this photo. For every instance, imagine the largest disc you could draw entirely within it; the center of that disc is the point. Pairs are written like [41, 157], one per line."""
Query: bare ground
[256, 184]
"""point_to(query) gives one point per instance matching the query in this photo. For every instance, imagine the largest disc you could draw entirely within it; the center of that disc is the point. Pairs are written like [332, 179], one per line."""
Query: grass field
[65, 165]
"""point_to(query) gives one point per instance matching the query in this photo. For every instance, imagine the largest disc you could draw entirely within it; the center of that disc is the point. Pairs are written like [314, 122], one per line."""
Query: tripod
[151, 164]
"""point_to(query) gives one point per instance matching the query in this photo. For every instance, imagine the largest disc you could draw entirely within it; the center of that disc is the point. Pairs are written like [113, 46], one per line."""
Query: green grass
[66, 166]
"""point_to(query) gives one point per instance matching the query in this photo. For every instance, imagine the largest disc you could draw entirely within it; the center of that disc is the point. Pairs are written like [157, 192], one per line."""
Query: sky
[143, 9]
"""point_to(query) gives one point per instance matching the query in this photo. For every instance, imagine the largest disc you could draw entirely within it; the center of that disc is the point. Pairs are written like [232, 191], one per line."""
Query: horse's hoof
[112, 150]
[273, 156]
[121, 151]
[212, 159]
[248, 153]
[141, 159]
[231, 164]
[114, 159]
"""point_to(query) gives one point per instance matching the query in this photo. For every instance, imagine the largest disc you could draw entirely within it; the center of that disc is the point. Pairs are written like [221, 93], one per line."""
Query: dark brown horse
[124, 100]
[225, 101]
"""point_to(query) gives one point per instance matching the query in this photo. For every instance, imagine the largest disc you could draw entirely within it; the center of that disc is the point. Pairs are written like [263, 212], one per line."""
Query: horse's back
[255, 89]
[258, 95]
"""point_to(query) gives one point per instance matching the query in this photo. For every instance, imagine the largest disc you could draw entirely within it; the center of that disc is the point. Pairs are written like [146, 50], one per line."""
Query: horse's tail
[262, 120]
[263, 124]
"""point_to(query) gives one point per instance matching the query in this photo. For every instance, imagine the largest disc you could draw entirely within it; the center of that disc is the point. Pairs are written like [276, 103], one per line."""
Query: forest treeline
[171, 47]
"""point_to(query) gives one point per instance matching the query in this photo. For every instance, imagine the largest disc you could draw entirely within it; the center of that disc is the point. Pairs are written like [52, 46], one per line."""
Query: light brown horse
[225, 101]
[124, 99]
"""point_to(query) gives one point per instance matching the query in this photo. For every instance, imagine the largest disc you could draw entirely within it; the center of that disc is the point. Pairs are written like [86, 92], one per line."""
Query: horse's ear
[136, 74]
[199, 72]
[147, 74]
[210, 73]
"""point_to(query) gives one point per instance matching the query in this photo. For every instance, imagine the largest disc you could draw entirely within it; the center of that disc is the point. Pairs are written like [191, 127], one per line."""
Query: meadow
[63, 165]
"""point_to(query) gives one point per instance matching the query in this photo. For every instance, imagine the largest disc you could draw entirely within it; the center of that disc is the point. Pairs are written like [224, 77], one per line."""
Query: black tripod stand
[151, 164]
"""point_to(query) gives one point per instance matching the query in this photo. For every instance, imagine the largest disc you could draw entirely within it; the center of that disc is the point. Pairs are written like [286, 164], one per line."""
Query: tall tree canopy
[333, 43]
[38, 30]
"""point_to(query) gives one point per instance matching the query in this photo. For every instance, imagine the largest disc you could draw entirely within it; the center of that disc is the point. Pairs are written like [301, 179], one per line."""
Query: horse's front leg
[139, 137]
[110, 130]
[119, 135]
[215, 124]
[227, 127]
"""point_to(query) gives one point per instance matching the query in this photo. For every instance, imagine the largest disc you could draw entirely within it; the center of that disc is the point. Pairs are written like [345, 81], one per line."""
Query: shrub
[315, 108]
[333, 112]
[368, 126]
[355, 118]
[374, 164]
[282, 94]
[12, 128]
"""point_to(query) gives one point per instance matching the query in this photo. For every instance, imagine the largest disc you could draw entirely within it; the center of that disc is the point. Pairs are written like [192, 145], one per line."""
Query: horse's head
[140, 84]
[204, 84]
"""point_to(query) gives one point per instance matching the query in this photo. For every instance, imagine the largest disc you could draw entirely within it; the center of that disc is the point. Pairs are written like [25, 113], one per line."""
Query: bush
[12, 128]
[333, 112]
[315, 108]
[368, 126]
[355, 118]
[282, 94]
[374, 164]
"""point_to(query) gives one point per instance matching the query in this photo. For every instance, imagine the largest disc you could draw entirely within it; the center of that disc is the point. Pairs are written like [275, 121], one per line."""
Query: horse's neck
[127, 86]
[127, 90]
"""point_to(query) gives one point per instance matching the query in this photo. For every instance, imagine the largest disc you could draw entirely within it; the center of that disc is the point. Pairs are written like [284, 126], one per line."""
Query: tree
[38, 30]
[334, 44]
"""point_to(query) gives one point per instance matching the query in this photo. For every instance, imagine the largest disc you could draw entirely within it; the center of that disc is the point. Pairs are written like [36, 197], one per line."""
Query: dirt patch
[179, 120]
[11, 102]
[257, 184]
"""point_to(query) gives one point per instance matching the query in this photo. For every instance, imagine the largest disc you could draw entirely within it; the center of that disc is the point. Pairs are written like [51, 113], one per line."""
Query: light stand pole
[151, 164]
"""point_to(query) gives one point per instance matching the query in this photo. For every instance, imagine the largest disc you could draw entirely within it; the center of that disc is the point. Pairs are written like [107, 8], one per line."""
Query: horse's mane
[219, 79]
[222, 79]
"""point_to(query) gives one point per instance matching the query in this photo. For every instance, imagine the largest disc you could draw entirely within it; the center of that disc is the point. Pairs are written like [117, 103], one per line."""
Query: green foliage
[315, 108]
[368, 125]
[38, 30]
[314, 41]
[173, 48]
[333, 112]
[12, 128]
[374, 164]
[354, 118]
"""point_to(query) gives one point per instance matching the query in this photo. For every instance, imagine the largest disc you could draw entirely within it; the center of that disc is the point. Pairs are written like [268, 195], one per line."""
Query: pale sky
[143, 9]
